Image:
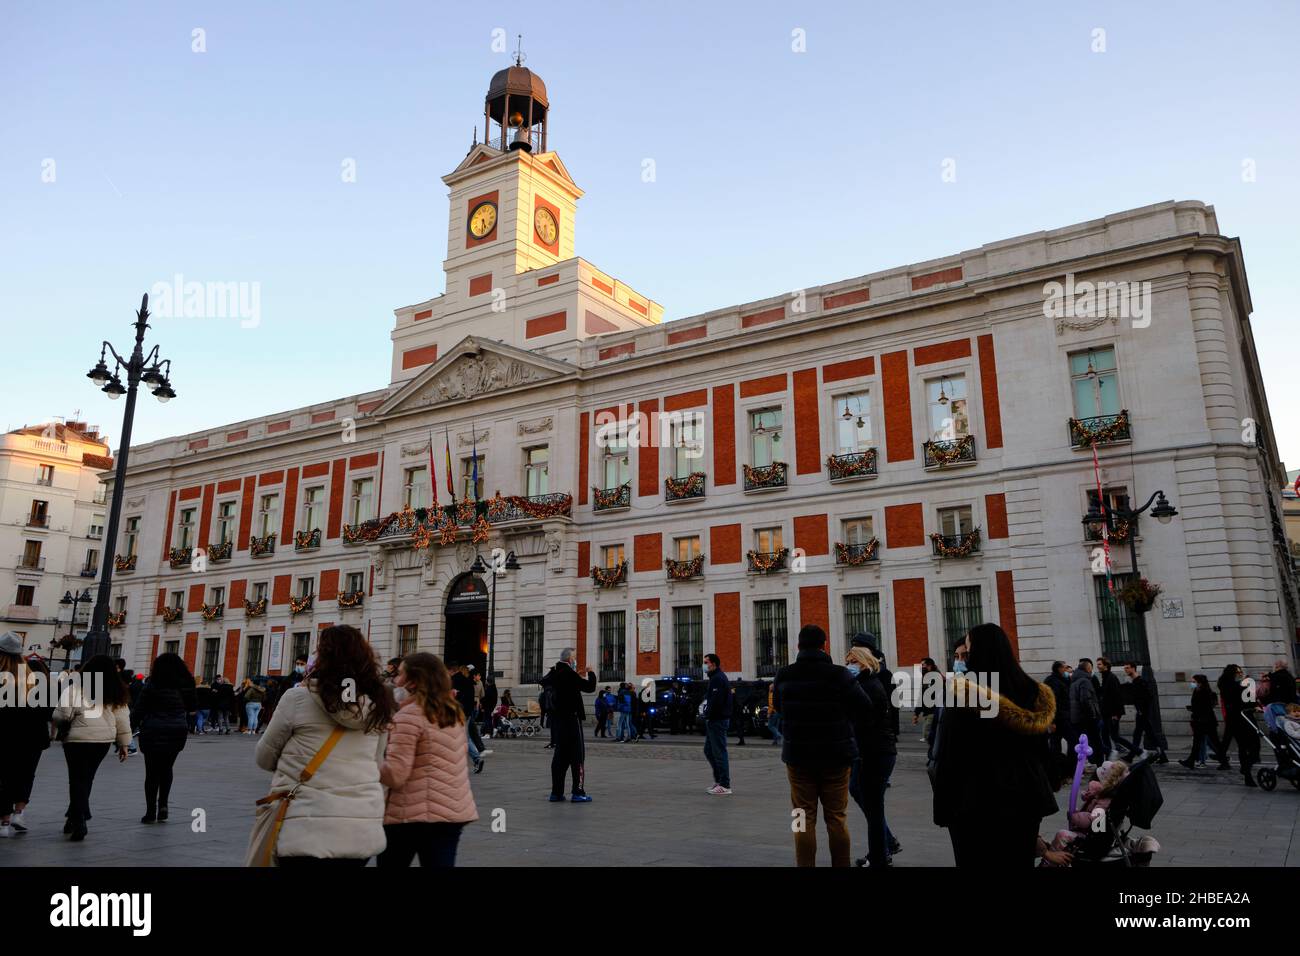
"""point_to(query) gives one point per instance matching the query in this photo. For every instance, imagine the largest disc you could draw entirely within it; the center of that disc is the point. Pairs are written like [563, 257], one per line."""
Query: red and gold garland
[116, 620]
[560, 506]
[481, 530]
[765, 474]
[691, 486]
[421, 538]
[255, 608]
[610, 497]
[1102, 434]
[969, 541]
[298, 605]
[351, 598]
[171, 615]
[124, 562]
[497, 507]
[845, 466]
[303, 539]
[844, 554]
[464, 511]
[681, 570]
[261, 545]
[946, 455]
[763, 562]
[609, 577]
[211, 612]
[1138, 595]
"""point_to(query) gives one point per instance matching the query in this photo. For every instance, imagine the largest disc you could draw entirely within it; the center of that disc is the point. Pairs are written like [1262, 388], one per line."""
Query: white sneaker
[719, 790]
[6, 831]
[486, 753]
[16, 821]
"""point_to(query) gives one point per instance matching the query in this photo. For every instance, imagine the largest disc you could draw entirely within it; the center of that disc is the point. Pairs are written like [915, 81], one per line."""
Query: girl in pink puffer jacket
[425, 768]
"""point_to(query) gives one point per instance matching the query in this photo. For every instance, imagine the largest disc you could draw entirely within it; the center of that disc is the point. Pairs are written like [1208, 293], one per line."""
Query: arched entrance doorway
[466, 623]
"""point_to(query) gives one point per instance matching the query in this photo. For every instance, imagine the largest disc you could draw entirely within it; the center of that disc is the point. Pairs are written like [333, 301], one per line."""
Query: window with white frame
[269, 514]
[852, 423]
[611, 555]
[614, 469]
[217, 596]
[356, 582]
[765, 426]
[306, 587]
[259, 591]
[949, 417]
[955, 521]
[767, 540]
[46, 475]
[185, 530]
[688, 445]
[226, 527]
[96, 529]
[313, 508]
[858, 530]
[92, 562]
[472, 477]
[416, 490]
[687, 548]
[537, 465]
[131, 539]
[1094, 382]
[363, 500]
[178, 600]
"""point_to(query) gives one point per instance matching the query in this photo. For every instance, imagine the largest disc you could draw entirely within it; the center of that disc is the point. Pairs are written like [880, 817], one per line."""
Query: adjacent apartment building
[907, 452]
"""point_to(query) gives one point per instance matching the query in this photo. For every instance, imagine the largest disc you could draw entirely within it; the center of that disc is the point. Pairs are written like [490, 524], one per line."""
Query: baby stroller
[1285, 751]
[1136, 802]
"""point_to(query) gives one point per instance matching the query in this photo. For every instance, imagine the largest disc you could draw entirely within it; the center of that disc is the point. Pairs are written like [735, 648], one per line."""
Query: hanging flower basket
[1139, 595]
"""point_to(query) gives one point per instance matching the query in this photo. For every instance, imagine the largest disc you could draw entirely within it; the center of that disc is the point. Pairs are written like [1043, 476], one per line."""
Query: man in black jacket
[1112, 708]
[819, 702]
[567, 715]
[717, 715]
[1059, 681]
[1281, 684]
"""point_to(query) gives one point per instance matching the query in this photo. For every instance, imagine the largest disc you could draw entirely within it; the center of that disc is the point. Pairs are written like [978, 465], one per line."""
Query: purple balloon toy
[1084, 752]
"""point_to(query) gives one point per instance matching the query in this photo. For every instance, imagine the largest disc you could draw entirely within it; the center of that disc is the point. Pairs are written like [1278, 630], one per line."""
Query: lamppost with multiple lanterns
[68, 642]
[510, 563]
[154, 372]
[1101, 513]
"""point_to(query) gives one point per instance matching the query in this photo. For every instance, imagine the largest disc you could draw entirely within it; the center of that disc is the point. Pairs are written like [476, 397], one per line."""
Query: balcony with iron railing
[90, 571]
[1120, 529]
[685, 489]
[767, 562]
[262, 547]
[180, 557]
[212, 612]
[220, 552]
[172, 614]
[25, 562]
[765, 477]
[38, 521]
[857, 554]
[956, 545]
[348, 600]
[685, 569]
[851, 466]
[125, 563]
[949, 453]
[612, 499]
[610, 577]
[307, 540]
[1099, 430]
[510, 510]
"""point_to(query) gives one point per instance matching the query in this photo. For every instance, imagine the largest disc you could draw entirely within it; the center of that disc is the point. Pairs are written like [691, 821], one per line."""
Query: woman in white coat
[337, 816]
[95, 708]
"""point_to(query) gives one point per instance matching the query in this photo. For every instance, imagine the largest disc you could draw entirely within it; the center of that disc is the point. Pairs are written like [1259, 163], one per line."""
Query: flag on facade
[474, 465]
[451, 485]
[433, 472]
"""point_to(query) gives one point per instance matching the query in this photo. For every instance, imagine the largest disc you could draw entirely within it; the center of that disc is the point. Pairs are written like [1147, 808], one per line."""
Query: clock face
[545, 225]
[482, 220]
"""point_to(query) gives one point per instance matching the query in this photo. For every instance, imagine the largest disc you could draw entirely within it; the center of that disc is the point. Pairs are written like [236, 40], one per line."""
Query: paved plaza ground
[649, 809]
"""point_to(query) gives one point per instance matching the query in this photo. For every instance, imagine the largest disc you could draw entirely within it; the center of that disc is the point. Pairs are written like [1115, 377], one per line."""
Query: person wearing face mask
[717, 715]
[1238, 710]
[567, 715]
[877, 754]
[295, 677]
[1205, 725]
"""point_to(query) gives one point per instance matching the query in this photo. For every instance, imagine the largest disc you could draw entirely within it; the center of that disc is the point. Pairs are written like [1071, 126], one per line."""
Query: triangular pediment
[473, 368]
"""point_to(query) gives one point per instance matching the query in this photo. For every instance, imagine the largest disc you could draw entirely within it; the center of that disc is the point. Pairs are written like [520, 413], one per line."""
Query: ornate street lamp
[68, 642]
[156, 373]
[1099, 513]
[480, 567]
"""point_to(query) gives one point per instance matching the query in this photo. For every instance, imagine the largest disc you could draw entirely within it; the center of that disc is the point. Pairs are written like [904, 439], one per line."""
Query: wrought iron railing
[1099, 429]
[852, 555]
[860, 464]
[171, 615]
[954, 451]
[306, 540]
[26, 563]
[125, 563]
[180, 557]
[609, 577]
[220, 552]
[301, 604]
[210, 612]
[682, 570]
[765, 562]
[262, 547]
[351, 599]
[90, 570]
[1119, 533]
[496, 510]
[956, 545]
[684, 489]
[38, 521]
[764, 477]
[612, 499]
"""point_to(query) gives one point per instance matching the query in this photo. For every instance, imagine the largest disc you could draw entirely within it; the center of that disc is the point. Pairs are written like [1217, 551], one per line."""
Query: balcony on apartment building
[220, 552]
[618, 498]
[307, 540]
[765, 477]
[262, 547]
[685, 489]
[852, 466]
[1100, 430]
[956, 545]
[767, 562]
[949, 453]
[125, 563]
[27, 562]
[180, 557]
[447, 519]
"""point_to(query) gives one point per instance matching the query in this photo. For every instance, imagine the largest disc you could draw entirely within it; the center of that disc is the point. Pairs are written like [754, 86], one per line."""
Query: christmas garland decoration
[561, 506]
[211, 612]
[298, 605]
[260, 546]
[171, 615]
[421, 538]
[1101, 434]
[692, 486]
[1119, 533]
[844, 554]
[946, 455]
[852, 466]
[351, 599]
[302, 540]
[481, 530]
[763, 562]
[124, 562]
[447, 531]
[464, 511]
[497, 507]
[609, 577]
[603, 498]
[969, 542]
[220, 552]
[760, 475]
[116, 620]
[255, 609]
[1138, 595]
[681, 570]
[180, 557]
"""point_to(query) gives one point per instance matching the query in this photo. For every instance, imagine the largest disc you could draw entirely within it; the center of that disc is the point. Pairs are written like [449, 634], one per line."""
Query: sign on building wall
[275, 658]
[647, 631]
[1171, 607]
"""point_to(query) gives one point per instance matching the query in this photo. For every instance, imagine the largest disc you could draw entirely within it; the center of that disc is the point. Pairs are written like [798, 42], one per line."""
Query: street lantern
[156, 374]
[479, 566]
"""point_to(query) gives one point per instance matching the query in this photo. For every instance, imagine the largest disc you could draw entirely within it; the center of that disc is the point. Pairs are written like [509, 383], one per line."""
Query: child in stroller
[1122, 796]
[1285, 741]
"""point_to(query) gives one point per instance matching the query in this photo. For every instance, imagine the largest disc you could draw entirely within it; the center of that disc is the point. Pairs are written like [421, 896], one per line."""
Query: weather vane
[519, 52]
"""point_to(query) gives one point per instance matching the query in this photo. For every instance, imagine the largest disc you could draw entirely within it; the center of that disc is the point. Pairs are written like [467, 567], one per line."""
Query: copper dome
[518, 81]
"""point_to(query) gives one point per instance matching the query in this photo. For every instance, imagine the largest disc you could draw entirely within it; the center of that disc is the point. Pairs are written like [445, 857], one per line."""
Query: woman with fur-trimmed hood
[991, 780]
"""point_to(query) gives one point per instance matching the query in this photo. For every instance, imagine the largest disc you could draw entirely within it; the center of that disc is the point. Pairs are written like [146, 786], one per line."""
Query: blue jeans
[715, 751]
[474, 756]
[200, 720]
[774, 727]
[625, 725]
[867, 787]
[252, 710]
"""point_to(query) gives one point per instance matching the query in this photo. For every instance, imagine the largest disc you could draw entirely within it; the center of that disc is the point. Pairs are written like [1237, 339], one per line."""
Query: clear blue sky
[776, 170]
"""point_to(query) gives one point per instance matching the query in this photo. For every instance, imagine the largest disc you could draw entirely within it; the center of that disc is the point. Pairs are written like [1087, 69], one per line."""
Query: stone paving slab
[650, 808]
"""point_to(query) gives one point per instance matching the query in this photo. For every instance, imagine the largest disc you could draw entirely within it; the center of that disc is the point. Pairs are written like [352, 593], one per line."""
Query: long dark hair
[169, 672]
[1230, 683]
[991, 653]
[114, 693]
[345, 662]
[429, 682]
